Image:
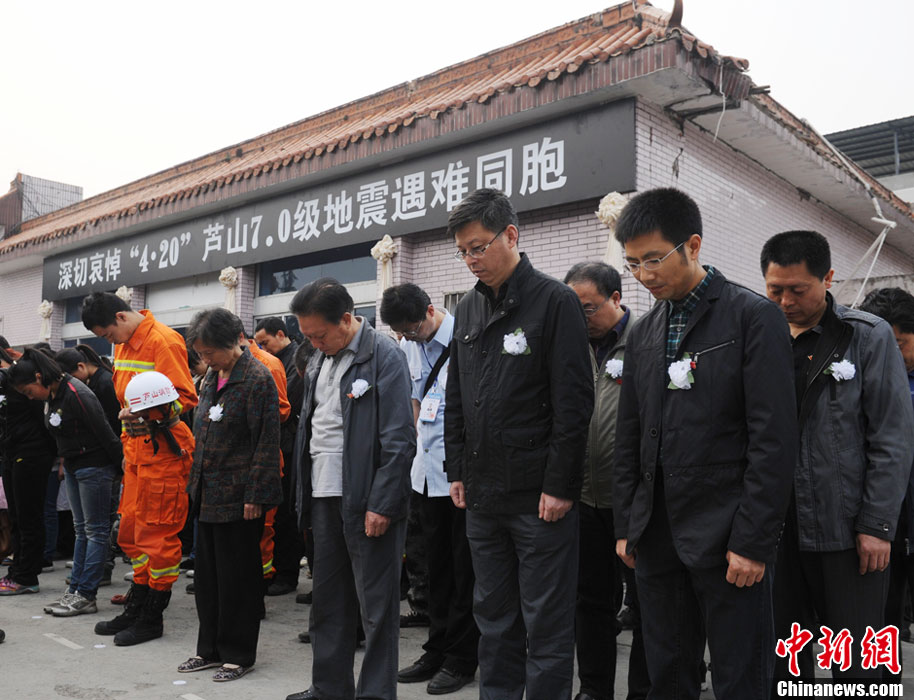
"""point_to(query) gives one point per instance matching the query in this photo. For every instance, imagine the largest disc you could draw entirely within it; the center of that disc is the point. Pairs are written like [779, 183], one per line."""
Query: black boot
[135, 600]
[149, 623]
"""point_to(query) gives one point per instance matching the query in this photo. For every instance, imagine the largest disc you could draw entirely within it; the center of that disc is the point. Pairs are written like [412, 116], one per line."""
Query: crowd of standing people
[749, 458]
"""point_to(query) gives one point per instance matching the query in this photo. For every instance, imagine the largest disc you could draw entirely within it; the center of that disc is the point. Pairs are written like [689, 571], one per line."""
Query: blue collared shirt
[428, 466]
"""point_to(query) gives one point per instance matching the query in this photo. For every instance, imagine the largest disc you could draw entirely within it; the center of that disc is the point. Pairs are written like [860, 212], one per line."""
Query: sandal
[197, 663]
[231, 672]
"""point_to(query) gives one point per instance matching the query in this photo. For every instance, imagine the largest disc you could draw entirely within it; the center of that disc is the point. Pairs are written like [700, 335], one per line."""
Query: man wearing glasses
[599, 287]
[705, 449]
[519, 404]
[449, 661]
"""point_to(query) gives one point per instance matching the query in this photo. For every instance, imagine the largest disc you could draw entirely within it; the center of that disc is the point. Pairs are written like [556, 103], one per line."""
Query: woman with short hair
[234, 480]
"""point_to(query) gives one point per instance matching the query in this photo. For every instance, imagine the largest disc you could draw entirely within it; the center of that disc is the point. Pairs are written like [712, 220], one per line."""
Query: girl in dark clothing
[27, 455]
[90, 451]
[95, 372]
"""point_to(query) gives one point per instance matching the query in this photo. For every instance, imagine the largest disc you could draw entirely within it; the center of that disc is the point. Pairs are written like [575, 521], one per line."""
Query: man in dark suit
[705, 450]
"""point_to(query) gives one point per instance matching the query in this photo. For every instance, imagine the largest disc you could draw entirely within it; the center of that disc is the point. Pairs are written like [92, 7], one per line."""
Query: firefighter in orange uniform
[158, 451]
[285, 410]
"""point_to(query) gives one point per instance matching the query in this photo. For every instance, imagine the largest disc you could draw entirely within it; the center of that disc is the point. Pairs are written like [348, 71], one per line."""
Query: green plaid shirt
[680, 311]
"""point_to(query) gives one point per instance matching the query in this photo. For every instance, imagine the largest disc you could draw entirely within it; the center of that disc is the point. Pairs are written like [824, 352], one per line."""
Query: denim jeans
[89, 491]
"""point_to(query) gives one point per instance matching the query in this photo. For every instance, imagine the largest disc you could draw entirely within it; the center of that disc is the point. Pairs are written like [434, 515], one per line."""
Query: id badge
[428, 411]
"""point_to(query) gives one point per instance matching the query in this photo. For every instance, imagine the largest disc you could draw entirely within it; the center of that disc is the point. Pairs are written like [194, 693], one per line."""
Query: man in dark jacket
[519, 404]
[854, 459]
[705, 449]
[273, 336]
[354, 448]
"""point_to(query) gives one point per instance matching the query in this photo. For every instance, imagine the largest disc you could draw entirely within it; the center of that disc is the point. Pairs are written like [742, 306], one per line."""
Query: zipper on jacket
[698, 354]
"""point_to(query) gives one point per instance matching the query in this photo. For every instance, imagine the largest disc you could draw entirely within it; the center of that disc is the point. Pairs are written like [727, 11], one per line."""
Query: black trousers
[526, 584]
[824, 588]
[415, 564]
[228, 584]
[599, 582]
[453, 637]
[675, 599]
[901, 576]
[288, 545]
[25, 482]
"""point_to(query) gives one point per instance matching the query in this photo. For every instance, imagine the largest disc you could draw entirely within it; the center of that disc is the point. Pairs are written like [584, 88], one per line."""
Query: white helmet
[149, 389]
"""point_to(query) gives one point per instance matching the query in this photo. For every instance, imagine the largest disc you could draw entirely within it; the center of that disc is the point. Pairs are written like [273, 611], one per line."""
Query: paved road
[45, 658]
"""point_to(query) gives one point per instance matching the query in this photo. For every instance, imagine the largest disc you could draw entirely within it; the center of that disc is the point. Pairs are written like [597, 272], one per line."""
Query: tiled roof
[533, 62]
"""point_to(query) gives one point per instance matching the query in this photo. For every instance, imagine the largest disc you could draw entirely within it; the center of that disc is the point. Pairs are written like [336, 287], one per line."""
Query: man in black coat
[519, 404]
[705, 449]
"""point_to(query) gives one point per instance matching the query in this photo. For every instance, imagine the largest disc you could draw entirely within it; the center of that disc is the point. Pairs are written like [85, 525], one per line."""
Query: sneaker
[189, 573]
[76, 606]
[10, 587]
[47, 567]
[128, 576]
[61, 602]
[69, 564]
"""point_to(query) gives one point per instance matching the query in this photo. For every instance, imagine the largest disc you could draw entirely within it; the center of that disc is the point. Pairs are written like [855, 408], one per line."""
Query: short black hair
[491, 208]
[101, 309]
[894, 305]
[4, 343]
[272, 325]
[795, 247]
[670, 211]
[324, 297]
[32, 362]
[215, 328]
[604, 277]
[404, 303]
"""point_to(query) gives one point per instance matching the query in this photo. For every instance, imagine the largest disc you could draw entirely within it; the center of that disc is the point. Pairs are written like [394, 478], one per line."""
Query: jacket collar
[512, 286]
[141, 332]
[711, 295]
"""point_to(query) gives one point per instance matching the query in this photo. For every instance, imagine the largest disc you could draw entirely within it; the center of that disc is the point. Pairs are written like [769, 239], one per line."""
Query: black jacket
[516, 425]
[727, 446]
[22, 431]
[295, 389]
[75, 419]
[102, 385]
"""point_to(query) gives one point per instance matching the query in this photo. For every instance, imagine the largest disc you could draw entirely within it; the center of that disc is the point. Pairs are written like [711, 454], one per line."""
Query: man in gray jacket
[599, 287]
[855, 455]
[355, 445]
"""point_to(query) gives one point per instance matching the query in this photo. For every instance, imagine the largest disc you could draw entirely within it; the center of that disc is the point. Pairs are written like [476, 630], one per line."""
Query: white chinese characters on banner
[520, 172]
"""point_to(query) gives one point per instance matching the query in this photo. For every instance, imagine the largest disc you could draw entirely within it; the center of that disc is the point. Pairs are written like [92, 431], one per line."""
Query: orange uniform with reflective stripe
[276, 368]
[153, 505]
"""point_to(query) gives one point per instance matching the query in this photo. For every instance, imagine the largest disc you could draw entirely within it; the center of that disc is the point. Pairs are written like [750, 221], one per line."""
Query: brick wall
[742, 203]
[20, 295]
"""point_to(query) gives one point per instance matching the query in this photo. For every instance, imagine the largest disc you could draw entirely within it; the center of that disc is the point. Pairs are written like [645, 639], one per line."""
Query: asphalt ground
[45, 658]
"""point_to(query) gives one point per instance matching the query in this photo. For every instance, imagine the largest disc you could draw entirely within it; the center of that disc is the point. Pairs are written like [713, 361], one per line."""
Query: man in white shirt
[450, 657]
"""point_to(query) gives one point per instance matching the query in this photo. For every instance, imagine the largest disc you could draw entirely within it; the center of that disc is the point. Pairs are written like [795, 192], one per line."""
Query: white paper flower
[54, 419]
[614, 368]
[681, 374]
[359, 387]
[215, 413]
[515, 344]
[842, 371]
[611, 207]
[2, 399]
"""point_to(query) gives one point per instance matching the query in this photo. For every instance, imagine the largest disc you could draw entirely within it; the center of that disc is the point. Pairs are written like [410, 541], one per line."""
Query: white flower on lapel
[680, 373]
[2, 399]
[841, 371]
[215, 413]
[359, 387]
[54, 419]
[614, 369]
[515, 344]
